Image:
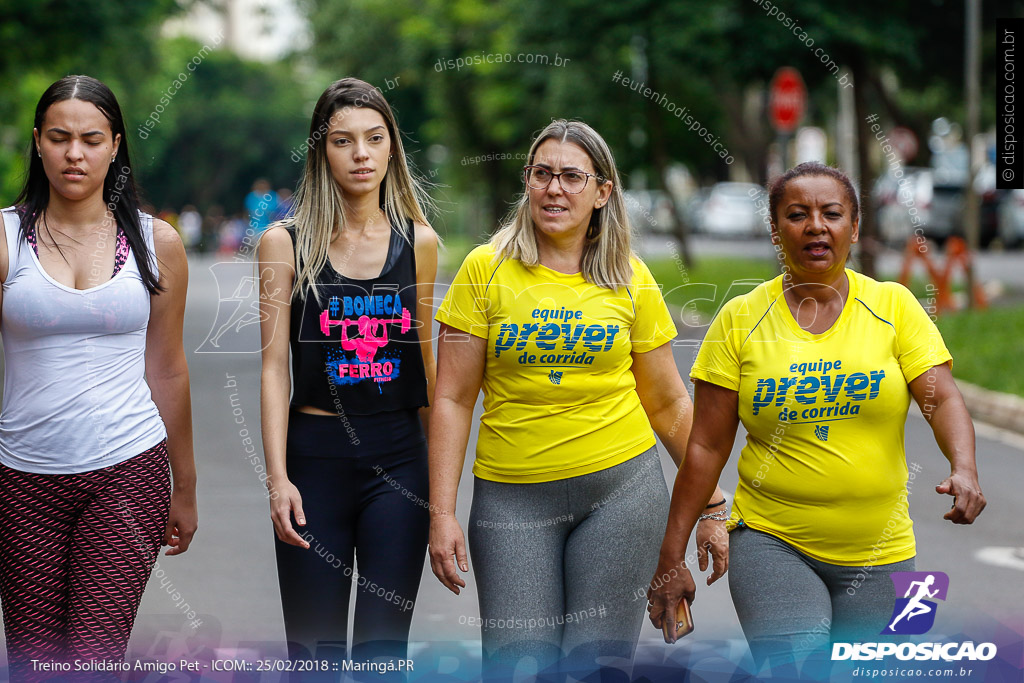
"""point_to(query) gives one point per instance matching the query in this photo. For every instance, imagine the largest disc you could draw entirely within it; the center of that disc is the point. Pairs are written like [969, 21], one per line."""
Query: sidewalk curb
[996, 408]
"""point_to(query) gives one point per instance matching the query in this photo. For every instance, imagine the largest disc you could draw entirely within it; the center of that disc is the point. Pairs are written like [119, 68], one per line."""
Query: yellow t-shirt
[559, 397]
[824, 466]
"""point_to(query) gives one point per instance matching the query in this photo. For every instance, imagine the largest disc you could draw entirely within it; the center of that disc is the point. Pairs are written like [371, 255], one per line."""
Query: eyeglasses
[572, 182]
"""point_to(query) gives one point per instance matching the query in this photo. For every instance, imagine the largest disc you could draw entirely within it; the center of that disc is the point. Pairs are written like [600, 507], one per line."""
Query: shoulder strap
[12, 235]
[412, 247]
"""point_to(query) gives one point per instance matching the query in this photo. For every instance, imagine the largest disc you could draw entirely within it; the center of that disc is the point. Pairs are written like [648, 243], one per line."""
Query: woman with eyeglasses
[566, 332]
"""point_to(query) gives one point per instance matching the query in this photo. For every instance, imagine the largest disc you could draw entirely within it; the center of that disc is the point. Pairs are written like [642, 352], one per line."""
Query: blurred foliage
[712, 58]
[235, 120]
[230, 123]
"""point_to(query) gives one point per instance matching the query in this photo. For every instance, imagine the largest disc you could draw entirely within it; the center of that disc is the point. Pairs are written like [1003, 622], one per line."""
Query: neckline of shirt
[836, 326]
[52, 280]
[385, 269]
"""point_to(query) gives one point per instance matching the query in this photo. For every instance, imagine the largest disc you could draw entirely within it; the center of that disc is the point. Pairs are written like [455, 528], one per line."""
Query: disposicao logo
[914, 614]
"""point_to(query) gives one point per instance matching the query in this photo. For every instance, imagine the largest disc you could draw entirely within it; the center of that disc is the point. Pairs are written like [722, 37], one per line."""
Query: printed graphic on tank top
[356, 350]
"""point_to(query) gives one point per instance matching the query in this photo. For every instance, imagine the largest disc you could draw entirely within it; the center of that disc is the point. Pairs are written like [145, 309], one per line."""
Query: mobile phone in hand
[684, 620]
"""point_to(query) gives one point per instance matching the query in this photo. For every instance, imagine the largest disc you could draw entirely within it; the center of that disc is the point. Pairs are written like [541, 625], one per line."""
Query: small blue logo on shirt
[821, 431]
[555, 377]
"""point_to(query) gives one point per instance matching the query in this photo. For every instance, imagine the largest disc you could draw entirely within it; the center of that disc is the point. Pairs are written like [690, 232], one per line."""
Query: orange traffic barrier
[957, 256]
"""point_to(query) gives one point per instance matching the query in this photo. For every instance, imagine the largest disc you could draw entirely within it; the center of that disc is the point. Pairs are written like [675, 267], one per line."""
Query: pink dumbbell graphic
[326, 323]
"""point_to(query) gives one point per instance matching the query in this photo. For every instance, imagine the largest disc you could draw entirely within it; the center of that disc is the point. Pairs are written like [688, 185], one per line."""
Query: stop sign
[905, 142]
[787, 100]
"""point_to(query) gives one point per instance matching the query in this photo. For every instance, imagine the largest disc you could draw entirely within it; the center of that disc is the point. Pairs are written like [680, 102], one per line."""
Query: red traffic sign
[905, 142]
[788, 99]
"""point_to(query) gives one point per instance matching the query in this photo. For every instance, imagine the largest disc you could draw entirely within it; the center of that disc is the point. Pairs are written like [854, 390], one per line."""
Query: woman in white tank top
[96, 401]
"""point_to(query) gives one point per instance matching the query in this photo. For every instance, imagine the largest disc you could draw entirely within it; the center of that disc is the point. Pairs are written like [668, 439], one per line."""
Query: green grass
[712, 281]
[986, 347]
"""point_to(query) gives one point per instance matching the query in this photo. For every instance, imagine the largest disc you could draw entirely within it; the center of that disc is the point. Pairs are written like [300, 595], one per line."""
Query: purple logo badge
[914, 612]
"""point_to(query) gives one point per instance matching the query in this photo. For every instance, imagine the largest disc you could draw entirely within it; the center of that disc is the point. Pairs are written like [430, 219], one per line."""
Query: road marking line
[1001, 556]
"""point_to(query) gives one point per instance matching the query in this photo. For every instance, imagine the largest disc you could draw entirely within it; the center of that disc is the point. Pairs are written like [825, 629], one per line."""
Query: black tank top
[357, 350]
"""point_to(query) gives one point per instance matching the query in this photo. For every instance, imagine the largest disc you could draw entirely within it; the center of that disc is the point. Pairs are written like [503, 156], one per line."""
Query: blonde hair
[607, 251]
[319, 202]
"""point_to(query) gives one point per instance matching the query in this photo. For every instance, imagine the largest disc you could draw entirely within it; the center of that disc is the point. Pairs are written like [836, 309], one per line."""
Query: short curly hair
[777, 186]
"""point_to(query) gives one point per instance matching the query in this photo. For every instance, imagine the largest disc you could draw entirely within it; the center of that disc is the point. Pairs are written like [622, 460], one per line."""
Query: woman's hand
[968, 501]
[713, 539]
[284, 501]
[447, 539]
[182, 521]
[671, 583]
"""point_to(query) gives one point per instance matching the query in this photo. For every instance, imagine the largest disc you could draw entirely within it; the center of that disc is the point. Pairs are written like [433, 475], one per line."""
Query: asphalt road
[229, 579]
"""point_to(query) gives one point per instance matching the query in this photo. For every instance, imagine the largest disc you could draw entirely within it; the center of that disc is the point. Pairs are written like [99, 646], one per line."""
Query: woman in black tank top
[347, 283]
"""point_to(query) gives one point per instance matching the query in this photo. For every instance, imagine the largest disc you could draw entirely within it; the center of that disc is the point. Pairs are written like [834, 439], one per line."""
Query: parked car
[730, 211]
[1010, 219]
[899, 201]
[950, 176]
[693, 209]
[649, 210]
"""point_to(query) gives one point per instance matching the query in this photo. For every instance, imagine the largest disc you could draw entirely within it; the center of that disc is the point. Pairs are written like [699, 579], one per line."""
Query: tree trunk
[660, 161]
[868, 230]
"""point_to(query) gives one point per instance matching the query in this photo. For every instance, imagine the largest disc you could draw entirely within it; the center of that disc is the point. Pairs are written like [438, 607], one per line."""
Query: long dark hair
[122, 201]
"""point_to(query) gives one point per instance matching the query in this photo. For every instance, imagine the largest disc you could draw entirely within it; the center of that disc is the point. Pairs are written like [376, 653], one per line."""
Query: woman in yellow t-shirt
[568, 338]
[819, 365]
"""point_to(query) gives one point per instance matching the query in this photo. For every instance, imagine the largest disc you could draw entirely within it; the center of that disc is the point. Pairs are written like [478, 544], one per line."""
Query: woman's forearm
[672, 425]
[954, 434]
[274, 388]
[695, 487]
[173, 399]
[449, 437]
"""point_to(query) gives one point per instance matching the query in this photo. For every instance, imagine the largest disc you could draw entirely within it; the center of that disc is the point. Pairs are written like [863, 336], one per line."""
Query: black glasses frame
[526, 177]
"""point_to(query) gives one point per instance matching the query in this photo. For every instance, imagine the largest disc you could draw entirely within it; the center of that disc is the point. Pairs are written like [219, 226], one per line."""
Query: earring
[113, 157]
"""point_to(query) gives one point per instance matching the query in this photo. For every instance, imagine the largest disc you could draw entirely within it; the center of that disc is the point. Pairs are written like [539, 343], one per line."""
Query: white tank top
[75, 393]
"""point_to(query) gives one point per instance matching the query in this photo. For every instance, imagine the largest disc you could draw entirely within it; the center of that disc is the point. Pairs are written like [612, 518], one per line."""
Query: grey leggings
[791, 605]
[562, 567]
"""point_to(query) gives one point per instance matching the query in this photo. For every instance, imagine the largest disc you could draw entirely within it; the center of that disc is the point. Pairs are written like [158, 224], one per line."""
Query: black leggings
[368, 497]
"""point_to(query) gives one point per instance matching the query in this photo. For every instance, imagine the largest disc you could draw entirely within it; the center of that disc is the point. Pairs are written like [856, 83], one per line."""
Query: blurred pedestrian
[261, 204]
[190, 226]
[284, 205]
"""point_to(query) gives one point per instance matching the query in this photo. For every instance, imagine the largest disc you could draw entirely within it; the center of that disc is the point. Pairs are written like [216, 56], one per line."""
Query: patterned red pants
[76, 551]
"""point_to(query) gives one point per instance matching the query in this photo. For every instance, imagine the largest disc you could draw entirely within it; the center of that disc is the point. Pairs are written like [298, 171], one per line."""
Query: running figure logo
[914, 613]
